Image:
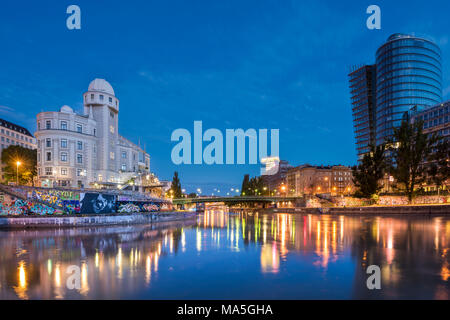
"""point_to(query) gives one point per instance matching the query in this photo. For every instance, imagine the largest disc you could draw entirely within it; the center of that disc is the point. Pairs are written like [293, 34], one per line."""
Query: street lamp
[17, 172]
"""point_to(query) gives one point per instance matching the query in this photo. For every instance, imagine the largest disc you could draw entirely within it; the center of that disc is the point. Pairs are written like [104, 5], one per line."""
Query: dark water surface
[233, 256]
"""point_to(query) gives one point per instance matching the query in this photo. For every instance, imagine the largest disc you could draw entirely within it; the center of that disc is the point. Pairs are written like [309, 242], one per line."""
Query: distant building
[309, 180]
[86, 149]
[436, 120]
[277, 176]
[13, 134]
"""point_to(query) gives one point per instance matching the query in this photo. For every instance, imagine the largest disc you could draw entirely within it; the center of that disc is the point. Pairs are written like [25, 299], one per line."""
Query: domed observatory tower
[101, 104]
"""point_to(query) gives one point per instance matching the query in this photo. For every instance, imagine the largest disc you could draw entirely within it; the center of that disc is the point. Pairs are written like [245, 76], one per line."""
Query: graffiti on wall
[53, 197]
[137, 206]
[19, 207]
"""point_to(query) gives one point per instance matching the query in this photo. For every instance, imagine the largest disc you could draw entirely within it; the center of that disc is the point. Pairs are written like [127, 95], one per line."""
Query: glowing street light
[18, 163]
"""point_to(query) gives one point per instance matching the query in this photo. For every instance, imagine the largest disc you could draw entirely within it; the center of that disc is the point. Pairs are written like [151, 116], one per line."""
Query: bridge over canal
[239, 200]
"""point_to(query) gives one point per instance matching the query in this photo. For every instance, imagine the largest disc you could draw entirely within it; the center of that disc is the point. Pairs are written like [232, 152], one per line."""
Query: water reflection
[227, 255]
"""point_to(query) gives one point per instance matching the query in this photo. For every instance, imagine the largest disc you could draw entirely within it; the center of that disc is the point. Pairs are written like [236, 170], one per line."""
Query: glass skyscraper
[362, 90]
[408, 75]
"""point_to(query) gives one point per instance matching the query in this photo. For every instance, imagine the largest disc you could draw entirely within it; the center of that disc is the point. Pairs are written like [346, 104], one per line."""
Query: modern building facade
[407, 75]
[309, 180]
[86, 150]
[13, 134]
[363, 96]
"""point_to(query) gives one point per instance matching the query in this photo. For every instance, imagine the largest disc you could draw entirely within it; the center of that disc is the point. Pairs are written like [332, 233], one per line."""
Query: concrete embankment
[93, 220]
[388, 210]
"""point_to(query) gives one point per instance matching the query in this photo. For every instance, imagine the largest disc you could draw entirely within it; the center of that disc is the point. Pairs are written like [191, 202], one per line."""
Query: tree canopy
[27, 169]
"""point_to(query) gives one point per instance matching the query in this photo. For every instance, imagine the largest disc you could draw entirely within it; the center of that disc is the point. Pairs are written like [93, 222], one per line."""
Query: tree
[410, 148]
[176, 186]
[245, 185]
[439, 166]
[27, 168]
[369, 172]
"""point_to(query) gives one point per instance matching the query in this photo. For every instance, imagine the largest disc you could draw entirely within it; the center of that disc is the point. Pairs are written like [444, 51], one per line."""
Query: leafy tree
[192, 195]
[27, 168]
[369, 172]
[410, 148]
[176, 186]
[439, 166]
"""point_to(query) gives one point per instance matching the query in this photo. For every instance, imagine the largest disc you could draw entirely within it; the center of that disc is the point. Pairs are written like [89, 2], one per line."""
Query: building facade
[86, 150]
[13, 134]
[407, 75]
[436, 120]
[310, 180]
[275, 180]
[363, 96]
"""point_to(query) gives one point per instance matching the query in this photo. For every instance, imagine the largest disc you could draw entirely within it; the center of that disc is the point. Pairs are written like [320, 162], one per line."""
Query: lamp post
[17, 172]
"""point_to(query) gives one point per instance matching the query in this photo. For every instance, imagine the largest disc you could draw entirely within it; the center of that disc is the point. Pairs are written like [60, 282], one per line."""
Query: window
[124, 167]
[64, 156]
[100, 177]
[111, 129]
[101, 97]
[79, 128]
[79, 171]
[38, 156]
[111, 155]
[124, 155]
[48, 171]
[95, 132]
[63, 171]
[110, 99]
[48, 124]
[80, 145]
[63, 125]
[63, 143]
[79, 158]
[39, 126]
[48, 143]
[92, 96]
[49, 156]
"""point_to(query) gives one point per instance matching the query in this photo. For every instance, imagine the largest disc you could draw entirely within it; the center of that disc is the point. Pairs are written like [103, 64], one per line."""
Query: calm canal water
[233, 256]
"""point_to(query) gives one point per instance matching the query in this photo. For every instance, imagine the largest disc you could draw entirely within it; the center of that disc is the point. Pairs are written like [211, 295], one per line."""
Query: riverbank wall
[92, 220]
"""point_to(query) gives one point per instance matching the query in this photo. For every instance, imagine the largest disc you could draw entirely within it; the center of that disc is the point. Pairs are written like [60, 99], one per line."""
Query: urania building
[86, 150]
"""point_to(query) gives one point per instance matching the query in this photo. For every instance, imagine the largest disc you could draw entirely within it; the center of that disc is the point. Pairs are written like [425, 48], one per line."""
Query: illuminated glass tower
[408, 74]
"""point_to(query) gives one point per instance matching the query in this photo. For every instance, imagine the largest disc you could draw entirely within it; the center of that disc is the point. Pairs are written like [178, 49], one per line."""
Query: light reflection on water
[232, 256]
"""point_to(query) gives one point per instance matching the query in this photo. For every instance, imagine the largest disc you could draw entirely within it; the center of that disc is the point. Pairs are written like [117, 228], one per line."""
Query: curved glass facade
[408, 74]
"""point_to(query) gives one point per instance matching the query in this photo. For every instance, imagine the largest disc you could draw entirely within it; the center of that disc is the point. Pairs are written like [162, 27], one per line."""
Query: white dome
[101, 85]
[66, 109]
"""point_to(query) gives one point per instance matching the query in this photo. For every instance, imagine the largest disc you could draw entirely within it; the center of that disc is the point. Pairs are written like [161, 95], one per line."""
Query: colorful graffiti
[40, 201]
[128, 208]
[53, 197]
[20, 207]
[137, 206]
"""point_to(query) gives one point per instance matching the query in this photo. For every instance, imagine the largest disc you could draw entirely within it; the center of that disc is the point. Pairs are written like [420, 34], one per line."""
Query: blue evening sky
[232, 64]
